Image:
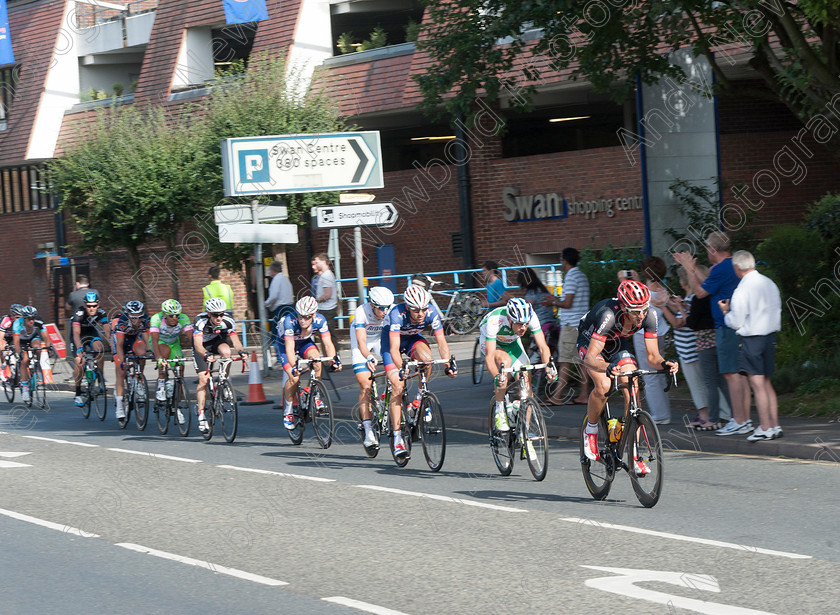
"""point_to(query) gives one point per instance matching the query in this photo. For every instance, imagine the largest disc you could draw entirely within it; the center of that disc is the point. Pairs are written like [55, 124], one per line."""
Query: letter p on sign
[253, 166]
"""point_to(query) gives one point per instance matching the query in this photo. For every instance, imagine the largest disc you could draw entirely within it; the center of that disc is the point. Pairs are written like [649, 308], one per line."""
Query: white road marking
[48, 524]
[13, 464]
[13, 455]
[702, 541]
[233, 572]
[154, 455]
[57, 441]
[362, 606]
[625, 585]
[285, 474]
[443, 498]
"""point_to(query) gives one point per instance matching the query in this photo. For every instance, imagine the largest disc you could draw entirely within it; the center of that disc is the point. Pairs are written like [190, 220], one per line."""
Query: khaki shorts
[567, 346]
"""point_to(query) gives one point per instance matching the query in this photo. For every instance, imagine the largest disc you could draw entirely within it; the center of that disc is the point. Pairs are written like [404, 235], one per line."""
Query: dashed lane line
[154, 455]
[65, 529]
[443, 498]
[58, 441]
[272, 473]
[362, 606]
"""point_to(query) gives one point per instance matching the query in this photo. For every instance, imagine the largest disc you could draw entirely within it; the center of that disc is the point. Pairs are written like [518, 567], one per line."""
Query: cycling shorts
[407, 345]
[515, 352]
[301, 349]
[87, 344]
[359, 360]
[212, 347]
[175, 351]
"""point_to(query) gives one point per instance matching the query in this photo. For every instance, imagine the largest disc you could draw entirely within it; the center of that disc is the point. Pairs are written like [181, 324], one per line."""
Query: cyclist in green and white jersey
[165, 329]
[501, 333]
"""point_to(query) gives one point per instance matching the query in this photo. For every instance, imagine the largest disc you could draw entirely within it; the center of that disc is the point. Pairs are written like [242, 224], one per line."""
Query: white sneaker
[734, 428]
[79, 400]
[203, 426]
[24, 395]
[501, 422]
[180, 416]
[590, 446]
[370, 440]
[762, 434]
[161, 394]
[120, 413]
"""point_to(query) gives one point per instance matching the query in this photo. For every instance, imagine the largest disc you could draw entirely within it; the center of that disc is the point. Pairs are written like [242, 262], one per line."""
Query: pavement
[466, 407]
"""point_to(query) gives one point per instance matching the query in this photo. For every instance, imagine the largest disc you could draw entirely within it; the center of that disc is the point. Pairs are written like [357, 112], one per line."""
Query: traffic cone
[46, 367]
[256, 396]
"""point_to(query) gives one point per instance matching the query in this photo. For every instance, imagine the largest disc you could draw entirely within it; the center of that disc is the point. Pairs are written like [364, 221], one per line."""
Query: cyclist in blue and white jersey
[402, 336]
[28, 331]
[500, 340]
[90, 327]
[365, 344]
[298, 329]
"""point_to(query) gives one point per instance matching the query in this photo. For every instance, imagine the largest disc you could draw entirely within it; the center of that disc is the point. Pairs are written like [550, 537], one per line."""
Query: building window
[24, 188]
[9, 76]
[359, 25]
[206, 51]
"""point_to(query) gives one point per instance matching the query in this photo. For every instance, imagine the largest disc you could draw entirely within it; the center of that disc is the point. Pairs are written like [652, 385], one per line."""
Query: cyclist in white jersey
[365, 341]
[501, 332]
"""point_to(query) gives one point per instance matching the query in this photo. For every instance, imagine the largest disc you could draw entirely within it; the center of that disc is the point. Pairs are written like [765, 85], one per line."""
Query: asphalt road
[97, 519]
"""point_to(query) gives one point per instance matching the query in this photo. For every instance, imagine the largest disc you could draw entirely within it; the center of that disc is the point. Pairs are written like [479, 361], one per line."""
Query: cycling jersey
[91, 326]
[169, 334]
[6, 327]
[292, 329]
[496, 325]
[207, 331]
[398, 322]
[365, 318]
[121, 325]
[604, 323]
[26, 336]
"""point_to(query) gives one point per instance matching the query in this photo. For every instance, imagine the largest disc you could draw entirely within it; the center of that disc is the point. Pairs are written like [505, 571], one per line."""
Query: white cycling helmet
[306, 306]
[519, 310]
[381, 297]
[214, 304]
[416, 297]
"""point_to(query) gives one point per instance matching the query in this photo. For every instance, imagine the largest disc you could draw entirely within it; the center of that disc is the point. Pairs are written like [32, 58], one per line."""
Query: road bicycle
[464, 311]
[313, 405]
[424, 423]
[380, 417]
[478, 367]
[177, 403]
[11, 381]
[36, 385]
[96, 393]
[220, 403]
[136, 392]
[633, 436]
[527, 437]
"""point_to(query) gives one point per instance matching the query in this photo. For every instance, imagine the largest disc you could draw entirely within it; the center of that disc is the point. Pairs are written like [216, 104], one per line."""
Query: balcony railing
[89, 15]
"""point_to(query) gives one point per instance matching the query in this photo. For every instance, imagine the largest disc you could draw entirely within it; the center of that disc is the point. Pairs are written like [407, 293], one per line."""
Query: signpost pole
[360, 264]
[261, 311]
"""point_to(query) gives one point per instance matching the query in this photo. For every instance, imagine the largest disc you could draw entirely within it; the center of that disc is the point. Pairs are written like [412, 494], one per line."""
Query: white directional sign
[230, 214]
[285, 164]
[258, 233]
[367, 214]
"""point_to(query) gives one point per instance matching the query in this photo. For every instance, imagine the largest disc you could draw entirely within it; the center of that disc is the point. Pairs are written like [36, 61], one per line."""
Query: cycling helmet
[28, 312]
[214, 304]
[422, 280]
[91, 297]
[519, 310]
[134, 308]
[306, 306]
[15, 309]
[170, 306]
[633, 295]
[417, 297]
[381, 297]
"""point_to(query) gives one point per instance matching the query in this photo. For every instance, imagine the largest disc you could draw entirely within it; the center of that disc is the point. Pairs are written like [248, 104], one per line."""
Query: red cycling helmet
[633, 295]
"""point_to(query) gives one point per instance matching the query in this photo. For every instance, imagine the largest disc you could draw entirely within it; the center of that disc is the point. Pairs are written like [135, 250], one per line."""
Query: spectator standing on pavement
[280, 301]
[573, 304]
[719, 285]
[76, 299]
[497, 294]
[324, 288]
[654, 271]
[755, 313]
[535, 294]
[218, 289]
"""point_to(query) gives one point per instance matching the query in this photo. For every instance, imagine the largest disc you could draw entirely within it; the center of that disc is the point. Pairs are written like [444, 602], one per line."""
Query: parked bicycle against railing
[313, 405]
[527, 436]
[634, 435]
[177, 403]
[136, 393]
[221, 403]
[464, 311]
[95, 393]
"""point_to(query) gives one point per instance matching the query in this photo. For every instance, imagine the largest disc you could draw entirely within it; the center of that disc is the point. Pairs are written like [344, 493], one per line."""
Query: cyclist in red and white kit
[605, 346]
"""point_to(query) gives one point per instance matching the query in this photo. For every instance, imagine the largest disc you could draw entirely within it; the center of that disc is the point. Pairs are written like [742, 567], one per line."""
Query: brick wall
[23, 277]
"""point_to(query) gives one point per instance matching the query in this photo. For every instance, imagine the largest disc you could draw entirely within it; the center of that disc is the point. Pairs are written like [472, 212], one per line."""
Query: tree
[131, 179]
[794, 48]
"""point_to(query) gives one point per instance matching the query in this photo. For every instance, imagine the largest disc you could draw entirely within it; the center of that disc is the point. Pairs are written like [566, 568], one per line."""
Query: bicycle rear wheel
[534, 437]
[141, 401]
[100, 395]
[228, 410]
[598, 475]
[432, 431]
[322, 414]
[467, 313]
[501, 443]
[478, 362]
[181, 399]
[644, 459]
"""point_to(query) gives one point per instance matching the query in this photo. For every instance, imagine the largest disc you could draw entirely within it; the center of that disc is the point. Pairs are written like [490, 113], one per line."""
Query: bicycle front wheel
[534, 437]
[432, 431]
[501, 443]
[162, 413]
[39, 392]
[89, 397]
[10, 382]
[183, 406]
[99, 399]
[228, 410]
[141, 401]
[320, 409]
[406, 436]
[598, 475]
[478, 362]
[644, 459]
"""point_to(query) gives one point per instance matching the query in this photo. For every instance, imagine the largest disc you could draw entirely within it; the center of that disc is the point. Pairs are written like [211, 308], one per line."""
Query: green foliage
[824, 218]
[118, 89]
[794, 276]
[345, 42]
[378, 38]
[602, 267]
[412, 31]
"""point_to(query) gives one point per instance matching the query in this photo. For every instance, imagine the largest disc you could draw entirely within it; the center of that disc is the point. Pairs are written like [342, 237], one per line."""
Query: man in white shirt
[323, 288]
[755, 312]
[279, 302]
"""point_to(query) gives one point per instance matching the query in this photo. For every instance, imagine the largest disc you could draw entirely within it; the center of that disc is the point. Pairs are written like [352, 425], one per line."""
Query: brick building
[555, 177]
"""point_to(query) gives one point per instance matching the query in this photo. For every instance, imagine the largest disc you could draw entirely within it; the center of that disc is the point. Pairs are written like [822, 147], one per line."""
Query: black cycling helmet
[15, 309]
[28, 311]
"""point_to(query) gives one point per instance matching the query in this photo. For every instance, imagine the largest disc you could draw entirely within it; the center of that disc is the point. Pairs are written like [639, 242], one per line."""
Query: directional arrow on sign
[625, 585]
[364, 214]
[12, 464]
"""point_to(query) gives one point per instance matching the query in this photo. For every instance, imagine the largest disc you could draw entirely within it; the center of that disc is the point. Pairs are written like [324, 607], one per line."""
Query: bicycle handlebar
[650, 372]
[224, 362]
[526, 368]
